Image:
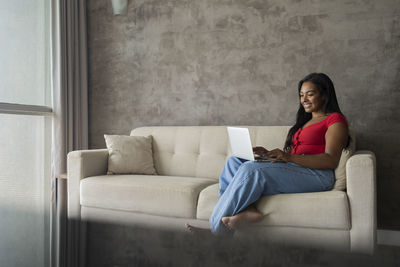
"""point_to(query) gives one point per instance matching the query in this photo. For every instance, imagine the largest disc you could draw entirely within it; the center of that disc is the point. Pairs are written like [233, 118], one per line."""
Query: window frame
[20, 109]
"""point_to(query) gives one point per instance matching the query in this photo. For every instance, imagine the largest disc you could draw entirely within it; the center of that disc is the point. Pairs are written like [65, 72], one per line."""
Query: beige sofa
[188, 161]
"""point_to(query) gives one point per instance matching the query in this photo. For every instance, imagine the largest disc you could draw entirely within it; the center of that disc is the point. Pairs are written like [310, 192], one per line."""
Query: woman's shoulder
[335, 117]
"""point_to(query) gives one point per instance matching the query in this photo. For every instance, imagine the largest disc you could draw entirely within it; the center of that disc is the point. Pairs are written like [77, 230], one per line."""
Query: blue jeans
[243, 182]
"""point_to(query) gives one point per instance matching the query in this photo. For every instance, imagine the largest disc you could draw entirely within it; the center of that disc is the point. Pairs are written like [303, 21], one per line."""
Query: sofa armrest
[361, 191]
[81, 164]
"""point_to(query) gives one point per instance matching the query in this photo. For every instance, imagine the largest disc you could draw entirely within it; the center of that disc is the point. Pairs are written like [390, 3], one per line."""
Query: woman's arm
[335, 140]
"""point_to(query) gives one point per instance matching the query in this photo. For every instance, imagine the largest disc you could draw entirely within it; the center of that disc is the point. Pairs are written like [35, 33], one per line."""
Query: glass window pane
[24, 190]
[24, 50]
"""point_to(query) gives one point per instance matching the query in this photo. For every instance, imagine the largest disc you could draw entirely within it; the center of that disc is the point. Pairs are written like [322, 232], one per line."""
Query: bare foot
[249, 215]
[197, 230]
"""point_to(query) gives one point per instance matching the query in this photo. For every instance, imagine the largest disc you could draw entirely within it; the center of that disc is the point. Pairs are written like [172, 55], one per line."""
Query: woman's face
[310, 98]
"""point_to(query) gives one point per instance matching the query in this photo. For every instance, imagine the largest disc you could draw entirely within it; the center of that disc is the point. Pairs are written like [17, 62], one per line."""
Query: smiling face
[310, 98]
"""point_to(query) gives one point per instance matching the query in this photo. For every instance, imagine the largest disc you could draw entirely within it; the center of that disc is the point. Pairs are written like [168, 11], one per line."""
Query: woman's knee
[249, 169]
[233, 161]
[249, 166]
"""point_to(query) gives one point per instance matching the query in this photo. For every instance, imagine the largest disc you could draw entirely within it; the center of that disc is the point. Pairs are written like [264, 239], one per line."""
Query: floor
[118, 246]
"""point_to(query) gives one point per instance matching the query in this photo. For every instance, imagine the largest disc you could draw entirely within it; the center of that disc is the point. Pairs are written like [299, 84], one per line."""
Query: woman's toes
[188, 227]
[197, 230]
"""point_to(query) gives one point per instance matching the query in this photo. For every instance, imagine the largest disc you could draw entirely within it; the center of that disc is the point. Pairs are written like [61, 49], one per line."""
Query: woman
[306, 164]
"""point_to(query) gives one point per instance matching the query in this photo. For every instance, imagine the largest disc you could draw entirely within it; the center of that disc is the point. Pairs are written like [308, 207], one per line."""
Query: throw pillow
[130, 154]
[340, 171]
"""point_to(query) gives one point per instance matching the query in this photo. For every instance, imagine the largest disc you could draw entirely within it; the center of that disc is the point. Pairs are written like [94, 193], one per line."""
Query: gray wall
[224, 62]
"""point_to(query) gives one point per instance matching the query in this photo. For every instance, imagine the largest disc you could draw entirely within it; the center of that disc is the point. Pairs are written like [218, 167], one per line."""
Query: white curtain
[70, 122]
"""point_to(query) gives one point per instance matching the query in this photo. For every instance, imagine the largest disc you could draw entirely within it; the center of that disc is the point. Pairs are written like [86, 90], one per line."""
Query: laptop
[241, 147]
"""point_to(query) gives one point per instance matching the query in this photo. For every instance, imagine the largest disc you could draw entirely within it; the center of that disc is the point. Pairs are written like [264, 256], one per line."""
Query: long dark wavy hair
[326, 89]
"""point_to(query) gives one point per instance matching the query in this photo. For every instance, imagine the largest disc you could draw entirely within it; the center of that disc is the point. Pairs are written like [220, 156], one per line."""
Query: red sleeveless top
[311, 140]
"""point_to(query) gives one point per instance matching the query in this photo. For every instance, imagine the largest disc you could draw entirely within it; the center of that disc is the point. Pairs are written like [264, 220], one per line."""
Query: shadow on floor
[123, 246]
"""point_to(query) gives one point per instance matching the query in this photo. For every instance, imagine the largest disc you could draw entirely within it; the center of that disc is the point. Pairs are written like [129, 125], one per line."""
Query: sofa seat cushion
[170, 196]
[328, 209]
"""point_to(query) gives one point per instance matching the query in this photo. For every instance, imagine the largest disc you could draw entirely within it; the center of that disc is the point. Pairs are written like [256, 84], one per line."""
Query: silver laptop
[241, 147]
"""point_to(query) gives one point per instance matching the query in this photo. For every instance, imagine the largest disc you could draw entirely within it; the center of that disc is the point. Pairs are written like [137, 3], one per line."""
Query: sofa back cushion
[201, 151]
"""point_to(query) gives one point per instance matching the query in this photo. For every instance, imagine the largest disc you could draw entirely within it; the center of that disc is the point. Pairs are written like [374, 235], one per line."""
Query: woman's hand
[260, 151]
[279, 155]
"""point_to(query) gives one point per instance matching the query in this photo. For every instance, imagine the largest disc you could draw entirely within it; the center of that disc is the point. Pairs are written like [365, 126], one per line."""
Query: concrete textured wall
[227, 62]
